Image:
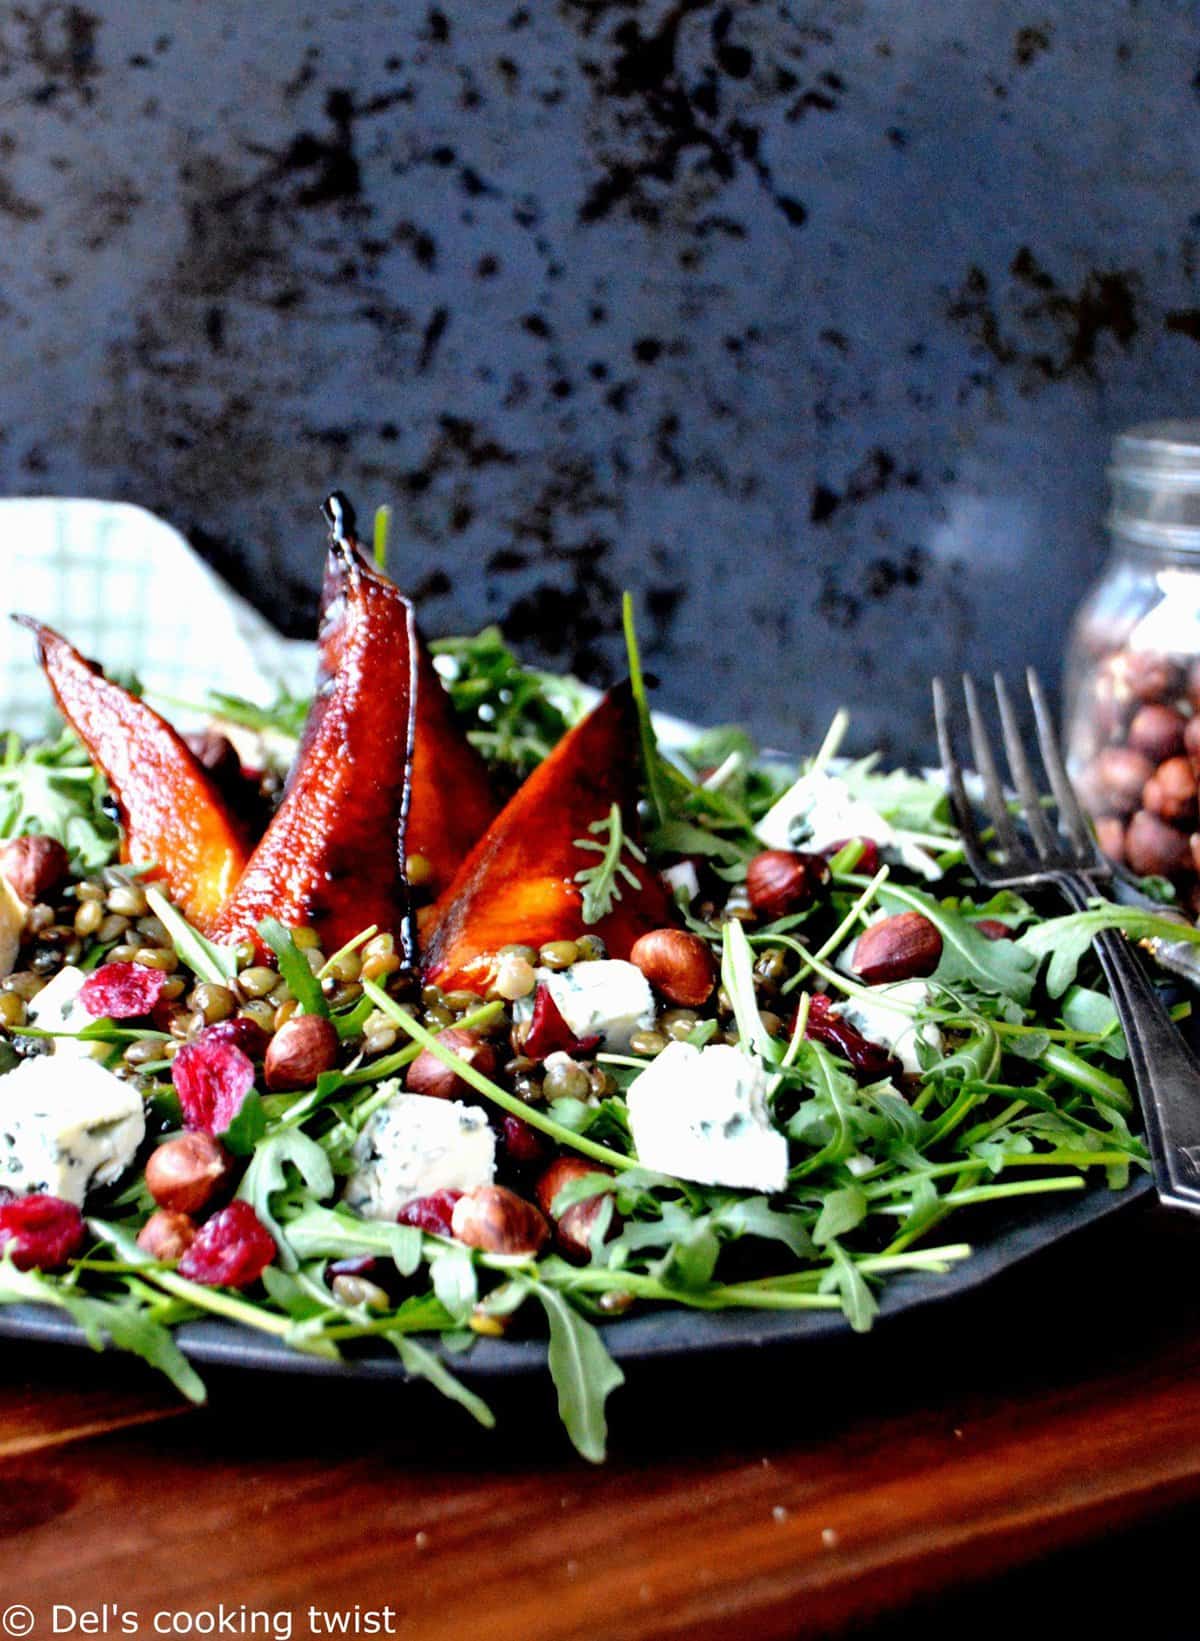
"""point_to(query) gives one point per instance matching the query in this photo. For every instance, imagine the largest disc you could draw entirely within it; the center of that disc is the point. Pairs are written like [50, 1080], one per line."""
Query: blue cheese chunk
[894, 1028]
[66, 1127]
[57, 1008]
[414, 1145]
[820, 810]
[608, 999]
[701, 1114]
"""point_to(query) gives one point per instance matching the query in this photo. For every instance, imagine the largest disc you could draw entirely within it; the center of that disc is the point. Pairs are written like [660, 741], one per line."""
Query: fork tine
[985, 763]
[1069, 813]
[959, 804]
[1022, 775]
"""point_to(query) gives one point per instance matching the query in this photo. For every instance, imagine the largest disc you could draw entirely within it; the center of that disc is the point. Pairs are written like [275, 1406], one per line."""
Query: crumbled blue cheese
[66, 1127]
[894, 1028]
[12, 924]
[608, 999]
[820, 810]
[414, 1145]
[701, 1114]
[57, 1008]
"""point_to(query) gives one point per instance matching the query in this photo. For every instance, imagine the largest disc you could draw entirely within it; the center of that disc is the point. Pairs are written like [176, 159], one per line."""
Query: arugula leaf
[423, 1364]
[285, 715]
[126, 1323]
[754, 1216]
[846, 1280]
[267, 1175]
[51, 787]
[333, 1233]
[1065, 939]
[601, 883]
[841, 1211]
[584, 1373]
[216, 964]
[293, 967]
[452, 1271]
[513, 714]
[248, 1127]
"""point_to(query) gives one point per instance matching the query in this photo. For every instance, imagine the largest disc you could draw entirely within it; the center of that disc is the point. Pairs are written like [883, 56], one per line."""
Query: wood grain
[778, 1496]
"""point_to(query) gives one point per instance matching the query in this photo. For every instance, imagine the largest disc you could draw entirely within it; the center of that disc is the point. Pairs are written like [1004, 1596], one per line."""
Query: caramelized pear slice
[452, 802]
[518, 885]
[332, 858]
[172, 814]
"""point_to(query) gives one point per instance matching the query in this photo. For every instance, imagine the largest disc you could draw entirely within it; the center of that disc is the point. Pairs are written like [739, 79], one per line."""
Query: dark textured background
[811, 322]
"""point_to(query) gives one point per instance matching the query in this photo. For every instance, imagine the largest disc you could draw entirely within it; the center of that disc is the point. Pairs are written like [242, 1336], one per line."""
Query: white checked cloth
[128, 591]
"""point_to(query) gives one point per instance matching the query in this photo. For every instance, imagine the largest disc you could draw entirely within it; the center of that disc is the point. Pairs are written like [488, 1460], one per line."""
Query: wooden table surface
[790, 1494]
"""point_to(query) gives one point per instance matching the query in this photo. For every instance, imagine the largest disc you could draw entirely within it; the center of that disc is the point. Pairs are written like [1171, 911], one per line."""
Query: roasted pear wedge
[452, 802]
[172, 814]
[518, 885]
[333, 856]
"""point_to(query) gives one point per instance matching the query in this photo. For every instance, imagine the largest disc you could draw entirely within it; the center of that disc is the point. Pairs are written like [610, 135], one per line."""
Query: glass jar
[1133, 663]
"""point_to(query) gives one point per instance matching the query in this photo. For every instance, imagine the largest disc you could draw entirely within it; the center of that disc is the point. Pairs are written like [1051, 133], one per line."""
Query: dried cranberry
[243, 1033]
[432, 1213]
[122, 991]
[549, 1033]
[824, 1025]
[40, 1232]
[991, 928]
[868, 861]
[212, 1078]
[523, 1144]
[232, 1250]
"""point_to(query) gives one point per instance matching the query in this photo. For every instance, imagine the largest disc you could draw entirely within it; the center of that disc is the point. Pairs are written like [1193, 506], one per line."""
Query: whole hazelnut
[302, 1048]
[497, 1220]
[678, 964]
[1148, 675]
[1110, 835]
[1155, 849]
[779, 881]
[186, 1173]
[35, 866]
[429, 1075]
[1171, 791]
[167, 1235]
[1115, 778]
[1157, 731]
[574, 1226]
[904, 947]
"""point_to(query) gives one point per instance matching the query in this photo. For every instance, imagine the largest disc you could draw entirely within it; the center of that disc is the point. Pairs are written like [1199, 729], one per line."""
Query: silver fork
[1064, 857]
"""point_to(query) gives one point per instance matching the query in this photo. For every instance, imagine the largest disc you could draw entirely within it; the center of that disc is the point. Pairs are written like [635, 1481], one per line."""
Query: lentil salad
[310, 1162]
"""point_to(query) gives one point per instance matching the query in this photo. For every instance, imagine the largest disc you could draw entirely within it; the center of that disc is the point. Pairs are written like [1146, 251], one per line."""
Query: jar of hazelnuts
[1133, 666]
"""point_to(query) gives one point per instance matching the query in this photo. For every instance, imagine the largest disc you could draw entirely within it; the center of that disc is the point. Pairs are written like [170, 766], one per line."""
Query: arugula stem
[842, 931]
[490, 1090]
[1104, 1089]
[992, 1193]
[651, 758]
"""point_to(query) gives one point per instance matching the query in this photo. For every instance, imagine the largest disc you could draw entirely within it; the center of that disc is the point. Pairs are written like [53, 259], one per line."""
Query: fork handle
[1166, 1072]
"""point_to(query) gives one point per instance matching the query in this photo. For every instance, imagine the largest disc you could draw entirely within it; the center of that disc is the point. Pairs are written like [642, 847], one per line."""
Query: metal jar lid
[1155, 478]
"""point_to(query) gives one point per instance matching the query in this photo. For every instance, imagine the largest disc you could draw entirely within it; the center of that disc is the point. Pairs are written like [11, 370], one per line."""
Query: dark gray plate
[1000, 1240]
